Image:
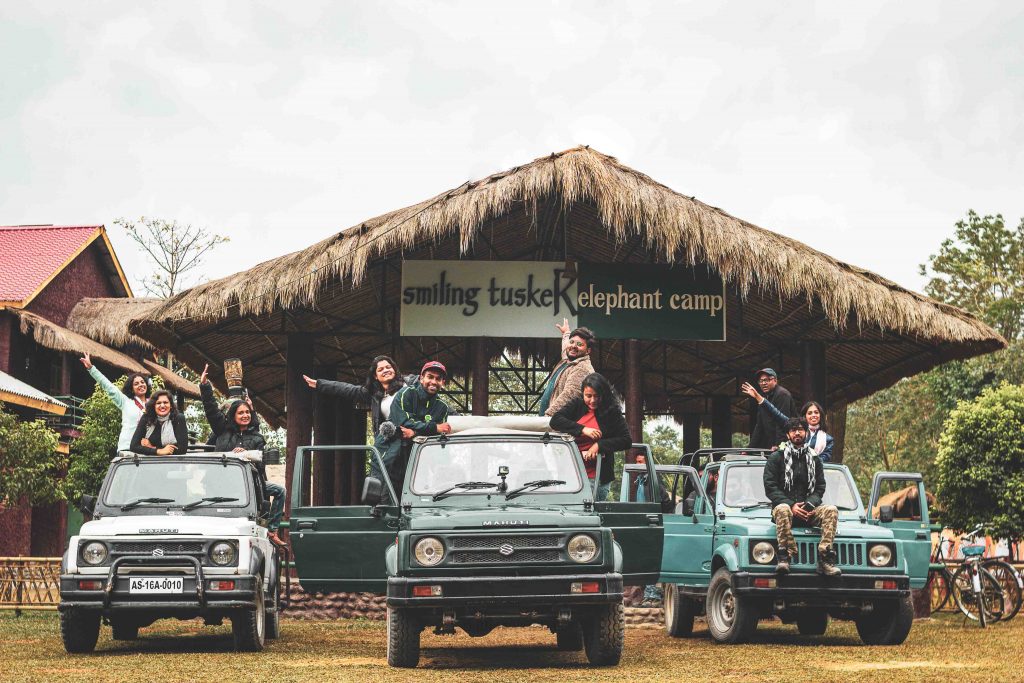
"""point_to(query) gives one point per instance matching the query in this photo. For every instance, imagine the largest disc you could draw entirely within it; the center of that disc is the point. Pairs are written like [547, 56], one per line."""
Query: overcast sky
[865, 130]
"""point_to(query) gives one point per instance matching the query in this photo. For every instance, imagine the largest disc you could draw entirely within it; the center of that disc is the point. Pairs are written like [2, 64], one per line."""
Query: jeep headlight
[582, 548]
[222, 553]
[94, 552]
[763, 552]
[880, 555]
[428, 551]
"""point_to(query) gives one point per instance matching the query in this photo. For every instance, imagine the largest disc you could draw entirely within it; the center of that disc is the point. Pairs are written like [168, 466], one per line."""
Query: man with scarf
[794, 481]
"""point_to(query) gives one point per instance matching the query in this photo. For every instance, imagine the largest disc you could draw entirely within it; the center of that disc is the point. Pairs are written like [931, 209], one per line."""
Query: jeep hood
[153, 526]
[761, 527]
[499, 518]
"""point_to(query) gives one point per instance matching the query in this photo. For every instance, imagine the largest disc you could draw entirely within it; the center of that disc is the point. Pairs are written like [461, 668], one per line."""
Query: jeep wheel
[249, 626]
[812, 622]
[79, 630]
[679, 612]
[124, 629]
[888, 623]
[569, 637]
[603, 635]
[731, 617]
[403, 638]
[274, 614]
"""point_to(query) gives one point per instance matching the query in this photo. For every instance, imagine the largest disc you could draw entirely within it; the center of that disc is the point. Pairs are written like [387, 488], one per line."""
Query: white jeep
[179, 536]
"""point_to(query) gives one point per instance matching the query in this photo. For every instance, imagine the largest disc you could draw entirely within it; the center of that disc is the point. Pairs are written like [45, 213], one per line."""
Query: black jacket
[767, 433]
[357, 393]
[614, 432]
[180, 435]
[775, 481]
[415, 409]
[225, 433]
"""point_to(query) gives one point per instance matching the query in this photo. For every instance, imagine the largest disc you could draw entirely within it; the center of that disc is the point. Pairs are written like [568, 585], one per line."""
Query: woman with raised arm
[383, 381]
[818, 439]
[129, 399]
[236, 429]
[162, 429]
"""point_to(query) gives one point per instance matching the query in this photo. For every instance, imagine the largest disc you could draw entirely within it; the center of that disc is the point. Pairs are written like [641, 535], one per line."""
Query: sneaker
[782, 567]
[827, 562]
[650, 603]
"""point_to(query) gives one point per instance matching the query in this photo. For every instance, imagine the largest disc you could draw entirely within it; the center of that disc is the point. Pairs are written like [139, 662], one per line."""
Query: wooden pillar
[721, 422]
[691, 432]
[812, 372]
[357, 460]
[66, 364]
[299, 408]
[480, 378]
[342, 468]
[323, 435]
[835, 421]
[634, 395]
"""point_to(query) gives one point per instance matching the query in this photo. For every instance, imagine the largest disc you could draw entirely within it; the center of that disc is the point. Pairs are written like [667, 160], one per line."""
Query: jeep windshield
[443, 466]
[172, 483]
[744, 488]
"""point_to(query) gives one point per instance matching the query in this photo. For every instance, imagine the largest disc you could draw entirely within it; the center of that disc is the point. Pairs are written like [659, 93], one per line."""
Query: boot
[782, 566]
[827, 562]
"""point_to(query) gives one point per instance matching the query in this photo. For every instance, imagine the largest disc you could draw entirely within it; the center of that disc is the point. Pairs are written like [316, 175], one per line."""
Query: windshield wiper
[215, 499]
[540, 483]
[464, 485]
[139, 501]
[762, 504]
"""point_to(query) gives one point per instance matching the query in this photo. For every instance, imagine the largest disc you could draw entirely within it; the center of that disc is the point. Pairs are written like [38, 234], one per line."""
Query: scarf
[817, 440]
[805, 452]
[166, 431]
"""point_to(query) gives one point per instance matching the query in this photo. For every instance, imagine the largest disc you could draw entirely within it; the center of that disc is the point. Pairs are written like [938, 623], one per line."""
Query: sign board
[527, 298]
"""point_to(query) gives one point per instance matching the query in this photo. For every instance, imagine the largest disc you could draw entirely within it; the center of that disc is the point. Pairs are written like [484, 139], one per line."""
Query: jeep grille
[850, 554]
[488, 549]
[147, 547]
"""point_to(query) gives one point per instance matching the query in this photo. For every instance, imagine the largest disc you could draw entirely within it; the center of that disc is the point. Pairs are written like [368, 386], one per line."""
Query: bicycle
[939, 577]
[977, 593]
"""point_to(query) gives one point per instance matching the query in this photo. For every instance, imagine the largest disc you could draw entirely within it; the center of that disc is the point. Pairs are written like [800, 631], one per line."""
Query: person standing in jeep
[766, 432]
[416, 408]
[566, 379]
[794, 481]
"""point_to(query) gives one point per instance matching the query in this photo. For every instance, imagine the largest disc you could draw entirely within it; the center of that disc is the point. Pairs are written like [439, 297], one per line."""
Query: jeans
[653, 592]
[277, 493]
[602, 492]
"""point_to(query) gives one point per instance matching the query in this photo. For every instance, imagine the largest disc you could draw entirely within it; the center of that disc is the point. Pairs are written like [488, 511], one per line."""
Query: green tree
[981, 269]
[91, 452]
[981, 463]
[30, 466]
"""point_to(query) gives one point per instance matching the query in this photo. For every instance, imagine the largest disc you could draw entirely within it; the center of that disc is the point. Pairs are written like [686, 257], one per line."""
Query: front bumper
[818, 589]
[194, 599]
[483, 591]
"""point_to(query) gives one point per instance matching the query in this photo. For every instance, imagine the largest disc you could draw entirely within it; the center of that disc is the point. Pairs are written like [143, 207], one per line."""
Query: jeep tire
[403, 638]
[79, 630]
[274, 614]
[679, 612]
[731, 618]
[812, 622]
[123, 628]
[249, 626]
[604, 634]
[569, 637]
[888, 623]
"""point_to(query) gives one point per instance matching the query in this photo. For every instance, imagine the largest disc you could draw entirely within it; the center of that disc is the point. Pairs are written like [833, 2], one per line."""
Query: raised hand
[564, 327]
[86, 361]
[748, 389]
[206, 371]
[310, 381]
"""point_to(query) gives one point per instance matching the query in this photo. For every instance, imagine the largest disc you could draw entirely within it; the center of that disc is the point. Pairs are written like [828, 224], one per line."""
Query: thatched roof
[106, 320]
[582, 205]
[53, 336]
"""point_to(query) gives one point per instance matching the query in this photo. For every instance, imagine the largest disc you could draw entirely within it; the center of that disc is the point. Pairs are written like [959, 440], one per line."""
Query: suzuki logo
[158, 552]
[506, 549]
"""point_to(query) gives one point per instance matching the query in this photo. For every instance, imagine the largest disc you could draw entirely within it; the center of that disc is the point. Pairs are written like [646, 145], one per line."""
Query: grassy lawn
[938, 649]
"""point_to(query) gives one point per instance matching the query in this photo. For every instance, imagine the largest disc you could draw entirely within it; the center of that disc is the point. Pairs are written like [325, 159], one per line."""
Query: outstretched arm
[108, 387]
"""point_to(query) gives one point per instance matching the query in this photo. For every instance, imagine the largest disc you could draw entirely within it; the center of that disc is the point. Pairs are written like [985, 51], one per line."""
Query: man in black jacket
[794, 482]
[766, 432]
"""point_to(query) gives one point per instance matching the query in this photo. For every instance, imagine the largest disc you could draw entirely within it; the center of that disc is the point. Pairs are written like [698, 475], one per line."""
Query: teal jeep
[494, 527]
[720, 552]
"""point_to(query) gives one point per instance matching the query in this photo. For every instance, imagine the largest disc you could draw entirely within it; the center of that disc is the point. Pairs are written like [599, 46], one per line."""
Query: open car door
[636, 521]
[904, 493]
[339, 548]
[689, 528]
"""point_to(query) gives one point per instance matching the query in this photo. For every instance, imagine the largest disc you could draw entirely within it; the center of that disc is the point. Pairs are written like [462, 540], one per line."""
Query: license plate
[156, 584]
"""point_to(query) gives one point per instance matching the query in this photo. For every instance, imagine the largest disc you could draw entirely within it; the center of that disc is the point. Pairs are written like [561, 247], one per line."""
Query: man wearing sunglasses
[565, 382]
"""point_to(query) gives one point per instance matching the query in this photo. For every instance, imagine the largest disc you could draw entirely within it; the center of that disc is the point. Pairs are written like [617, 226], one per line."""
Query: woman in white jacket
[130, 400]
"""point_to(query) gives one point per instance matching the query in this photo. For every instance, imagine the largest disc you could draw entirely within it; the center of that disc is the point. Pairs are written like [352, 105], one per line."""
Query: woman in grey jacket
[129, 399]
[382, 383]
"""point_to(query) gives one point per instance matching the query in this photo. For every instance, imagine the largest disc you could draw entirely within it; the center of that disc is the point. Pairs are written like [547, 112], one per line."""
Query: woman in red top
[597, 423]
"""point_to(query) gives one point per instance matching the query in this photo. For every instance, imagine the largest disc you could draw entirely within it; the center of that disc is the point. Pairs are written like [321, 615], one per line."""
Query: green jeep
[720, 552]
[495, 527]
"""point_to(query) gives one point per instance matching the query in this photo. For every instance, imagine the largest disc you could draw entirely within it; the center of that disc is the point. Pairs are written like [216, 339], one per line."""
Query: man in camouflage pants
[794, 481]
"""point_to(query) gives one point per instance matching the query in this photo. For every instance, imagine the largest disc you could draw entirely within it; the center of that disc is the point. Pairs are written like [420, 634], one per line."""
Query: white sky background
[865, 129]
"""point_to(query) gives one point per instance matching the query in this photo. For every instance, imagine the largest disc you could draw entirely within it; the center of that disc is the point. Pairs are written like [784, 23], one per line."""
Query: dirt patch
[333, 662]
[883, 666]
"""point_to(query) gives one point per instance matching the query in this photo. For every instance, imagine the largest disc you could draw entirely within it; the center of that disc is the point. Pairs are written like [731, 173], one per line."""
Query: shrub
[30, 465]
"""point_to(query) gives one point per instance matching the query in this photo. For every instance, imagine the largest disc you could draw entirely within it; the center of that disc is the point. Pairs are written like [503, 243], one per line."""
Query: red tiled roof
[29, 256]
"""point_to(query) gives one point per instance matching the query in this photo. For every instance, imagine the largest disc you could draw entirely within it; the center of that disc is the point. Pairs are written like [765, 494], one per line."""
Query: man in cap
[418, 407]
[767, 433]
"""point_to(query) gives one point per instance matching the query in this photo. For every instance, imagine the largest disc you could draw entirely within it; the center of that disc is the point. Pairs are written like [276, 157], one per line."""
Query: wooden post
[634, 395]
[812, 372]
[299, 408]
[66, 364]
[691, 432]
[323, 435]
[341, 459]
[835, 421]
[357, 460]
[721, 422]
[480, 378]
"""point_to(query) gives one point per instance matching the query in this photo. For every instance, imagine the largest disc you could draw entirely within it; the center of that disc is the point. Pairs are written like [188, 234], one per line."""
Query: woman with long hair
[130, 399]
[595, 420]
[818, 437]
[383, 381]
[162, 429]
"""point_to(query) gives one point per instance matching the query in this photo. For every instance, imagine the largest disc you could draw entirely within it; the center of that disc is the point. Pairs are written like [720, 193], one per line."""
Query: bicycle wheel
[938, 588]
[1010, 581]
[986, 606]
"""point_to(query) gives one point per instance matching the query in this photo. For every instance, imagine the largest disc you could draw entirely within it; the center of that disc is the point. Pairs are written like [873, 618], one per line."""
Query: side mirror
[86, 505]
[885, 514]
[688, 506]
[272, 456]
[373, 491]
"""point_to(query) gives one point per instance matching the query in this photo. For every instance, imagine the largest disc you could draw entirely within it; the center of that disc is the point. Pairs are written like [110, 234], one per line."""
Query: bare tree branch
[175, 250]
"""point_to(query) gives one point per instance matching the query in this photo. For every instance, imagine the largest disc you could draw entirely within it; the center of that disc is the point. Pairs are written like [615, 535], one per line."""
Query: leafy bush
[91, 452]
[30, 465]
[981, 463]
